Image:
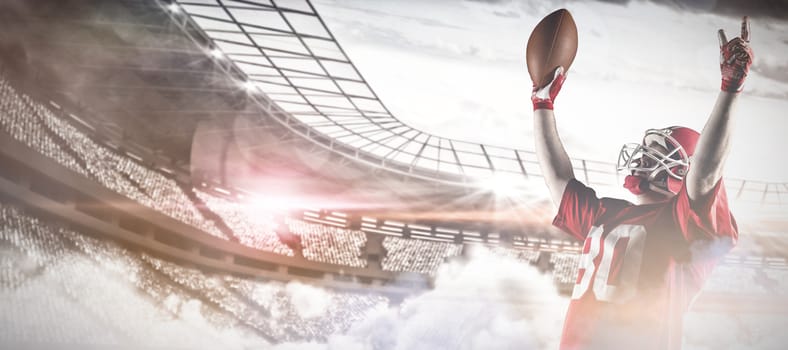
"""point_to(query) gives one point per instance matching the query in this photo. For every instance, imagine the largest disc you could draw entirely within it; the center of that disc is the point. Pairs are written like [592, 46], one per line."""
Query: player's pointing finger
[745, 28]
[721, 36]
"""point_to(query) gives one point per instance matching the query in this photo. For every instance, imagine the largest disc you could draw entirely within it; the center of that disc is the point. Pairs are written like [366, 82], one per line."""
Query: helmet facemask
[660, 160]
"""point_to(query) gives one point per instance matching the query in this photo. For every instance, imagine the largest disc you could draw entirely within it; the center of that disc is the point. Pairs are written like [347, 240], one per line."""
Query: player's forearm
[711, 151]
[553, 160]
[713, 147]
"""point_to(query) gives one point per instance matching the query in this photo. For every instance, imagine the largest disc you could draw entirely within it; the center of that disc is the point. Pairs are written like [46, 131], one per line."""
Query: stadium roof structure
[283, 51]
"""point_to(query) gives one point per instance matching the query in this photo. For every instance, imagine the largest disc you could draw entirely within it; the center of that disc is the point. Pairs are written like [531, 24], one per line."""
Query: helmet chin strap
[660, 190]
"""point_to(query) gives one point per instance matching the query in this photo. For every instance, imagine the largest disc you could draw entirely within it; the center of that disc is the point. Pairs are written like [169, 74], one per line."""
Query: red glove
[543, 98]
[735, 58]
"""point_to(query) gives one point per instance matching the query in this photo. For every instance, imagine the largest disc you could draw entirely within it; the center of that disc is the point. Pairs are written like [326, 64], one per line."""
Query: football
[552, 43]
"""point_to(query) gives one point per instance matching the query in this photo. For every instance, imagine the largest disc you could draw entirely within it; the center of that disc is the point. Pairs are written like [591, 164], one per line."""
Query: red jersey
[641, 266]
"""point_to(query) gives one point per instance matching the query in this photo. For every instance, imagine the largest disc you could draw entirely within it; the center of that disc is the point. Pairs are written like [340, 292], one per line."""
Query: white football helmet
[660, 162]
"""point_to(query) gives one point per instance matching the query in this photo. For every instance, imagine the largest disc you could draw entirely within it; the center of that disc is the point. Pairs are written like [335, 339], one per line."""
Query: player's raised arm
[553, 160]
[551, 48]
[712, 149]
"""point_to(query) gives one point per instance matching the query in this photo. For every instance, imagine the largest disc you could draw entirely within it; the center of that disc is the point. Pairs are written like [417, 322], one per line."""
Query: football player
[643, 263]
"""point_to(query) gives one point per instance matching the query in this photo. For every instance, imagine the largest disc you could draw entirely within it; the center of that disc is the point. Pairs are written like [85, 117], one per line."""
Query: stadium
[220, 173]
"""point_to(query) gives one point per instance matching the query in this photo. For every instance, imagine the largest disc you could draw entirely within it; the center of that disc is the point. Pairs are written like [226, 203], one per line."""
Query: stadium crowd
[38, 127]
[49, 273]
[417, 255]
[564, 267]
[254, 229]
[329, 244]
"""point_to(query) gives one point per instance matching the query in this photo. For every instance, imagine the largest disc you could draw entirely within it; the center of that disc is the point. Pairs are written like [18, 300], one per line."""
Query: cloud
[104, 309]
[754, 8]
[729, 8]
[729, 331]
[710, 250]
[507, 14]
[491, 1]
[771, 70]
[308, 301]
[391, 14]
[487, 302]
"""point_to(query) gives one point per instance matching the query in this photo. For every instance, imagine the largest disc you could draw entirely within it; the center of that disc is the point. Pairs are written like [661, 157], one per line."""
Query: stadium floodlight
[216, 53]
[272, 204]
[503, 184]
[174, 8]
[249, 85]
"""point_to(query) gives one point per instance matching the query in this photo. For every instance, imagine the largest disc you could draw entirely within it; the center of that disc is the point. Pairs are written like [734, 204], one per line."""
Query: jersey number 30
[617, 273]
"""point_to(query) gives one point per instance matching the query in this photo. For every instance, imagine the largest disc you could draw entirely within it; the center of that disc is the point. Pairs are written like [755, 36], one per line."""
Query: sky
[457, 69]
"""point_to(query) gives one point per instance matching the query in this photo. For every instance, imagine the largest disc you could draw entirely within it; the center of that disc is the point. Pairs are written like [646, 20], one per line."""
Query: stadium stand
[49, 274]
[522, 255]
[564, 267]
[416, 255]
[342, 309]
[212, 290]
[17, 121]
[43, 130]
[60, 275]
[329, 244]
[256, 230]
[39, 128]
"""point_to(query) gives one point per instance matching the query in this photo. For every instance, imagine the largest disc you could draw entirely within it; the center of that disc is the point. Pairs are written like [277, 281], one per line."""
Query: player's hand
[735, 58]
[543, 98]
